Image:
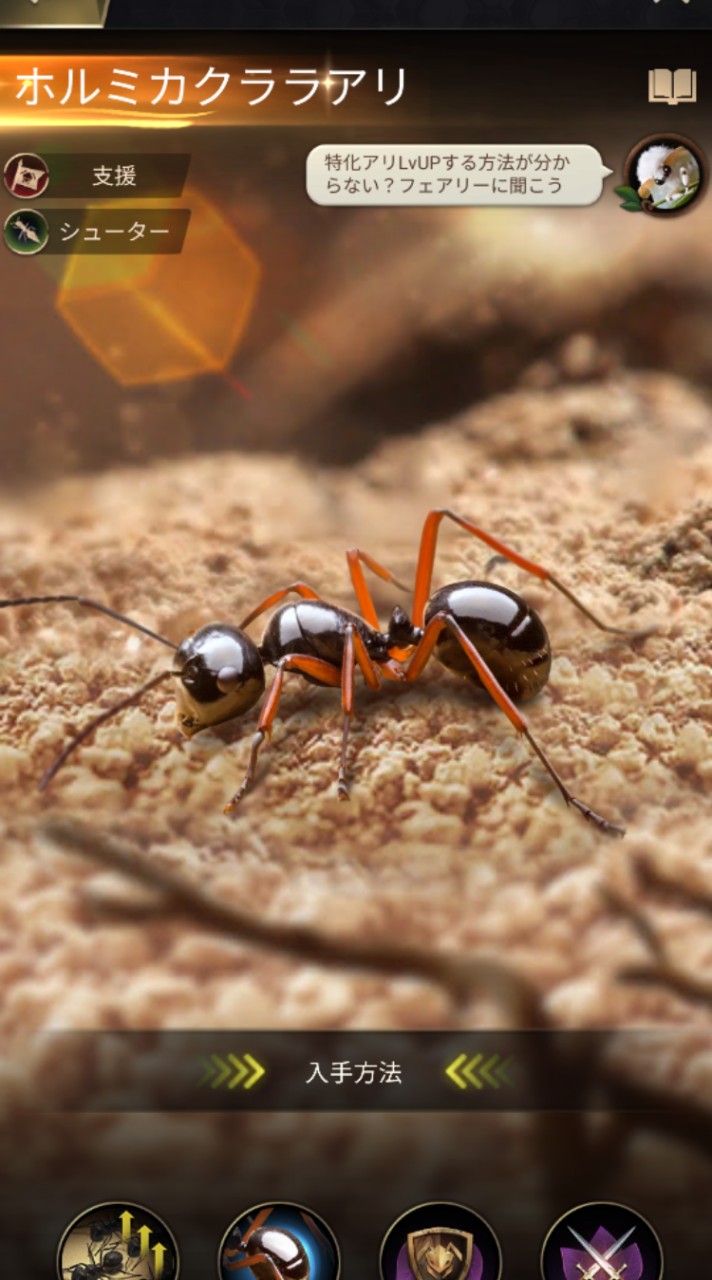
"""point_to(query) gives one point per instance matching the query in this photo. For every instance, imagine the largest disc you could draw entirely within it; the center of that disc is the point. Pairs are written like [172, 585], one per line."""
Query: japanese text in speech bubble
[425, 174]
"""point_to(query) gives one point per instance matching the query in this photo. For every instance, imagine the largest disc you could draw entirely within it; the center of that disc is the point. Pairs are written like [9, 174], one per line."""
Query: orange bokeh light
[165, 317]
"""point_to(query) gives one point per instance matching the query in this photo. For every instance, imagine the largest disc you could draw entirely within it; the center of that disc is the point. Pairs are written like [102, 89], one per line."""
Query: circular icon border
[603, 1204]
[107, 1204]
[25, 253]
[679, 138]
[31, 155]
[286, 1204]
[451, 1204]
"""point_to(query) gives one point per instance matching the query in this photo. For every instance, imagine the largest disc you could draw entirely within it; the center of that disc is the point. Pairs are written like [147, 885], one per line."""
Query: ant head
[220, 675]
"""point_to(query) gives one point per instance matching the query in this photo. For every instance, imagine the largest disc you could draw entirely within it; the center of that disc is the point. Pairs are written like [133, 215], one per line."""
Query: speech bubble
[455, 174]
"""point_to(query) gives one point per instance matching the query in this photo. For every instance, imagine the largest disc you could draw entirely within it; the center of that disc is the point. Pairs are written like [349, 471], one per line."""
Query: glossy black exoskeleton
[317, 630]
[271, 1253]
[109, 1266]
[484, 632]
[508, 634]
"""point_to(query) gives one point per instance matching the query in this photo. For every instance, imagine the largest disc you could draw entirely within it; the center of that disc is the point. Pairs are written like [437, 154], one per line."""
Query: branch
[661, 971]
[461, 976]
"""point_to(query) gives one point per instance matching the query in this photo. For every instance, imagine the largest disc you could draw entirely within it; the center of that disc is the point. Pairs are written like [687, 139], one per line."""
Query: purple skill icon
[602, 1256]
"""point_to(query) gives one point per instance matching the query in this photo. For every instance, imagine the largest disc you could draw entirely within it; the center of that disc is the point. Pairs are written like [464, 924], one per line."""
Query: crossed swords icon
[601, 1261]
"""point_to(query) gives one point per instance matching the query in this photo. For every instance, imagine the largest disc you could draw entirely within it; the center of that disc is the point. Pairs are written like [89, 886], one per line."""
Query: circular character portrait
[279, 1242]
[664, 175]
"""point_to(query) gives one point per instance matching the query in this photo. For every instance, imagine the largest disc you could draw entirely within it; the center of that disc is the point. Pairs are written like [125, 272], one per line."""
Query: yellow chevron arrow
[502, 1069]
[223, 1069]
[470, 1070]
[474, 1071]
[257, 1070]
[453, 1069]
[486, 1069]
[208, 1072]
[240, 1071]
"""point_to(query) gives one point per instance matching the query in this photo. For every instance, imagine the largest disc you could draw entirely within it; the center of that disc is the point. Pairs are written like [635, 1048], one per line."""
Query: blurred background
[323, 331]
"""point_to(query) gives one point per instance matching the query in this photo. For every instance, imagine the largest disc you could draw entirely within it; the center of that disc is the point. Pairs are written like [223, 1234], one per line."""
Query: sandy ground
[454, 836]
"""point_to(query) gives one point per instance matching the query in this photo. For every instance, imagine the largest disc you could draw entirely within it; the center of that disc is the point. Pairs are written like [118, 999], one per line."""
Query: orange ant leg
[259, 1221]
[355, 653]
[426, 560]
[355, 559]
[324, 672]
[253, 1260]
[300, 588]
[423, 651]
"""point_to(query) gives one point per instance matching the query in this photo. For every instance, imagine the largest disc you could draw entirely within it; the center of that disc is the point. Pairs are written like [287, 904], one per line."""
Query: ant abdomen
[504, 629]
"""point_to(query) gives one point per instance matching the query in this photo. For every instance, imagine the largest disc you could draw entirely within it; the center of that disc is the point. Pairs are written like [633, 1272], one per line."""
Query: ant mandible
[476, 628]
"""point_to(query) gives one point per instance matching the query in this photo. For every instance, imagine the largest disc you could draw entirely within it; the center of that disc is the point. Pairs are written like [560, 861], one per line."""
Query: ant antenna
[89, 604]
[113, 710]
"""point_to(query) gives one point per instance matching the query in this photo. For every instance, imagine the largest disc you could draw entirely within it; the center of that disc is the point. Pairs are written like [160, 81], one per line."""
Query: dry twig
[661, 970]
[462, 977]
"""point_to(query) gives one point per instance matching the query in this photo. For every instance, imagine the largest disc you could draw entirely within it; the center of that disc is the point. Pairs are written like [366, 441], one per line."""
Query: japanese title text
[84, 86]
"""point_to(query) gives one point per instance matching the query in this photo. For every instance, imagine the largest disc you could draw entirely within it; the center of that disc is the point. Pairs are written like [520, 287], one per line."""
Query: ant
[109, 1264]
[480, 630]
[270, 1252]
[104, 1230]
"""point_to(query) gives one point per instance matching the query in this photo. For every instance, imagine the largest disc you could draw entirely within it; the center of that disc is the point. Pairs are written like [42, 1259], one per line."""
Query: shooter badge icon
[26, 231]
[602, 1242]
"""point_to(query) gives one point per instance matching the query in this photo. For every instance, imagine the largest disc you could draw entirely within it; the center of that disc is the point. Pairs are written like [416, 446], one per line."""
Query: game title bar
[195, 15]
[51, 90]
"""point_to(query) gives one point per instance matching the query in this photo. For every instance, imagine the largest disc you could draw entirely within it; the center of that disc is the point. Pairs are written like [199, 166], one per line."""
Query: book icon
[672, 87]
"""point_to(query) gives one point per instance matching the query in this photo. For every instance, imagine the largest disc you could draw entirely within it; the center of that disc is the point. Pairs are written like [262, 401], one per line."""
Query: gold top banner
[53, 13]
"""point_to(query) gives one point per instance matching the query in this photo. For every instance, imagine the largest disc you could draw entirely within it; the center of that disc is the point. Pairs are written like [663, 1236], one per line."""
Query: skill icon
[117, 1240]
[441, 1242]
[602, 1242]
[662, 176]
[26, 176]
[26, 231]
[279, 1242]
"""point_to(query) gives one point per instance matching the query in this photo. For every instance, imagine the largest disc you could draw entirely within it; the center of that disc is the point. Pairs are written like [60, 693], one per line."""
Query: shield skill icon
[441, 1241]
[441, 1254]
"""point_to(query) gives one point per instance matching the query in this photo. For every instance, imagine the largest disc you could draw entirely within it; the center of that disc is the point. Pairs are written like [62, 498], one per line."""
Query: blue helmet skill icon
[279, 1242]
